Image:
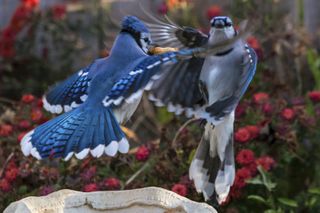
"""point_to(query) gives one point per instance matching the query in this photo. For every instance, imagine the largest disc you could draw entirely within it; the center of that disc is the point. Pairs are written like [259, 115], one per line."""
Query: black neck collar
[224, 52]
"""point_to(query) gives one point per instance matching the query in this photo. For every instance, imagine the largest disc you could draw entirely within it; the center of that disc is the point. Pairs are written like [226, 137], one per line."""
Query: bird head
[138, 30]
[221, 29]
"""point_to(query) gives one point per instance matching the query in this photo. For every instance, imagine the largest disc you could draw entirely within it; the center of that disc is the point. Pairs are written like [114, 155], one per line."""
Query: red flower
[112, 183]
[260, 98]
[266, 162]
[39, 103]
[254, 131]
[24, 124]
[30, 3]
[7, 49]
[213, 11]
[288, 114]
[255, 44]
[8, 34]
[242, 175]
[27, 98]
[252, 168]
[91, 187]
[180, 189]
[20, 16]
[314, 96]
[21, 135]
[6, 130]
[4, 185]
[11, 174]
[59, 11]
[36, 115]
[245, 157]
[45, 190]
[142, 153]
[242, 135]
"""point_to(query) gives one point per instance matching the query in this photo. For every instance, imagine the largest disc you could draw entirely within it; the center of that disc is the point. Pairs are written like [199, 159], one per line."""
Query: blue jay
[96, 99]
[210, 88]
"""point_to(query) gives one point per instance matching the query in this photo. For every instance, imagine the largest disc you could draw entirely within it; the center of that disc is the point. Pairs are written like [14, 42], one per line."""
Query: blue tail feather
[77, 131]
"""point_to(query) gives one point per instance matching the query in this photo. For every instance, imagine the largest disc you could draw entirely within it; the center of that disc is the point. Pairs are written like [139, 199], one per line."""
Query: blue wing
[68, 94]
[224, 106]
[133, 84]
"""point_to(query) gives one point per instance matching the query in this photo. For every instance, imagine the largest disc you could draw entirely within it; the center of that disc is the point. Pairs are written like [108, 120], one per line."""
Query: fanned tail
[213, 168]
[80, 132]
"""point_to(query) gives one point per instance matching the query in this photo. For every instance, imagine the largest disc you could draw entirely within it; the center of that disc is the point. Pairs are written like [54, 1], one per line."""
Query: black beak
[219, 24]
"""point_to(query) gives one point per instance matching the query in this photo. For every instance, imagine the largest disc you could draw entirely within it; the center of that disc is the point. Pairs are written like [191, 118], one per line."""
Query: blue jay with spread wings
[210, 88]
[96, 99]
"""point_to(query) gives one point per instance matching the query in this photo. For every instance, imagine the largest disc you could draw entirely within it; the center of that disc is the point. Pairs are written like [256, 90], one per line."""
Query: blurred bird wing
[167, 33]
[70, 93]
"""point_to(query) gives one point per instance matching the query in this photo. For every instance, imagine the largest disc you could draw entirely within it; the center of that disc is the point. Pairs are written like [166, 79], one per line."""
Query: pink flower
[245, 157]
[5, 185]
[260, 98]
[59, 11]
[21, 135]
[142, 153]
[180, 189]
[266, 162]
[89, 173]
[254, 131]
[288, 114]
[163, 9]
[91, 187]
[27, 98]
[267, 108]
[213, 11]
[45, 190]
[112, 183]
[11, 174]
[314, 96]
[6, 130]
[242, 135]
[240, 110]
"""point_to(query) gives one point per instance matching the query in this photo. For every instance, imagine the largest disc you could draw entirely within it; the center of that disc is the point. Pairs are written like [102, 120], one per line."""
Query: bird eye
[146, 39]
[228, 24]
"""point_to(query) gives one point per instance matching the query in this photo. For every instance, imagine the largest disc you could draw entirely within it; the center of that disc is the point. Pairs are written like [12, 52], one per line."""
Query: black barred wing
[68, 94]
[178, 87]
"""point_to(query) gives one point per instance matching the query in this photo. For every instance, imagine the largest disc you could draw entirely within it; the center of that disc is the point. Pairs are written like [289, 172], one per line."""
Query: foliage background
[277, 122]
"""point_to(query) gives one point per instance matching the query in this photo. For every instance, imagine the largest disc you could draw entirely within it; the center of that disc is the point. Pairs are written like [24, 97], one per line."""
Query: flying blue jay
[210, 88]
[96, 99]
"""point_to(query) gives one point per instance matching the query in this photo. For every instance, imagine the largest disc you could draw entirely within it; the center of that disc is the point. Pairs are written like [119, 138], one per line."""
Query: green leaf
[314, 191]
[191, 155]
[258, 198]
[288, 202]
[164, 116]
[266, 179]
[256, 181]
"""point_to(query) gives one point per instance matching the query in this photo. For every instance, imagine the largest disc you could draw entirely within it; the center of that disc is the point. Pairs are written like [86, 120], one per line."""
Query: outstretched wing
[225, 105]
[178, 88]
[70, 93]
